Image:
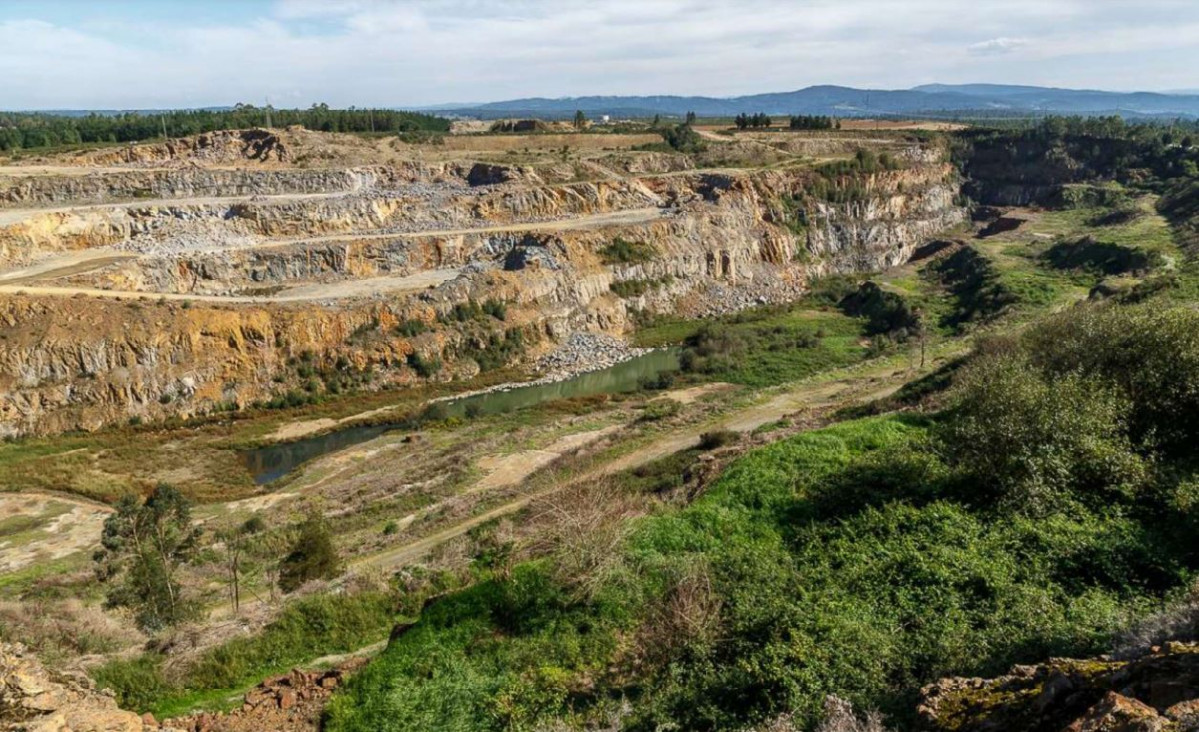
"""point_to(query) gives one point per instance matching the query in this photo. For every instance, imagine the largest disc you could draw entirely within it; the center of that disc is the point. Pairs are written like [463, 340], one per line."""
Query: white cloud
[997, 46]
[415, 52]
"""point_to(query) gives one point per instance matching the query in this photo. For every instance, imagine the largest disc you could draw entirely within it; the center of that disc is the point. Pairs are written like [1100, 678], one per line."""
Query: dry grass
[839, 716]
[688, 615]
[62, 631]
[583, 527]
[544, 143]
[1179, 622]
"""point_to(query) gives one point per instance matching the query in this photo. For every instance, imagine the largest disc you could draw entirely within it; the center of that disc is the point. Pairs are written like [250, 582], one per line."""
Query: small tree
[143, 547]
[312, 556]
[236, 543]
[580, 119]
[690, 118]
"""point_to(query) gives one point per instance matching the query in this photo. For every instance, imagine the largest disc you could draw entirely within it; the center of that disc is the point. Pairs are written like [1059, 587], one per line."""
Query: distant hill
[841, 101]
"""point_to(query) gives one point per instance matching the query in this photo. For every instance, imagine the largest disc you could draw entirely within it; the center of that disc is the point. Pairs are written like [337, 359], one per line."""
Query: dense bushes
[1149, 355]
[1100, 257]
[978, 291]
[1034, 440]
[312, 556]
[683, 138]
[886, 313]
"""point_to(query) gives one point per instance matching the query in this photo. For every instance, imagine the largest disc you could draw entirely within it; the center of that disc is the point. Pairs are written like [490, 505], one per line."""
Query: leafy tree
[143, 547]
[811, 122]
[312, 556]
[580, 119]
[683, 138]
[691, 118]
[742, 121]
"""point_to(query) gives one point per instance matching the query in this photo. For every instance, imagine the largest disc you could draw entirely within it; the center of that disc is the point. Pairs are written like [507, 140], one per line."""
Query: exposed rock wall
[721, 241]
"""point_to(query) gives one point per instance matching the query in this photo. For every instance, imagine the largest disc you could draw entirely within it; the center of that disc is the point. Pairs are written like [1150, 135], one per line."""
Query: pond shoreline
[271, 462]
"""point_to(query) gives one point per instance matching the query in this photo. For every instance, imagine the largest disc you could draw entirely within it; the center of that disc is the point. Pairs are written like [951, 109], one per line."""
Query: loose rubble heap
[282, 704]
[1156, 692]
[583, 352]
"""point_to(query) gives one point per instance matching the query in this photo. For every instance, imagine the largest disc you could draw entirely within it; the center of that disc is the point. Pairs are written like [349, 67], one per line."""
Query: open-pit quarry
[218, 272]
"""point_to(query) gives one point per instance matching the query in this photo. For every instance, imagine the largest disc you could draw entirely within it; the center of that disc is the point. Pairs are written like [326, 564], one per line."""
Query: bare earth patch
[504, 470]
[43, 528]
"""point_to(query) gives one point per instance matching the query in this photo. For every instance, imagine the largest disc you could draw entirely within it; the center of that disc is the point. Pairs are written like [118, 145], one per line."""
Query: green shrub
[495, 308]
[312, 556]
[423, 366]
[1036, 441]
[1094, 256]
[717, 439]
[886, 313]
[411, 328]
[974, 281]
[660, 409]
[622, 251]
[1150, 354]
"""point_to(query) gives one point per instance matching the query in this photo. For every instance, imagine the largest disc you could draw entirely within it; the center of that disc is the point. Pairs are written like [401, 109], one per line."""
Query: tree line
[33, 130]
[795, 122]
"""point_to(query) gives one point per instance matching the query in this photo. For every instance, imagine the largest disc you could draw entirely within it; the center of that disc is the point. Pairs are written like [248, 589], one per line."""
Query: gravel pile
[579, 354]
[583, 352]
[720, 299]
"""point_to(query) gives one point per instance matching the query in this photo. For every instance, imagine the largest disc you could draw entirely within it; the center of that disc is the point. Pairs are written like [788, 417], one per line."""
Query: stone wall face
[721, 242]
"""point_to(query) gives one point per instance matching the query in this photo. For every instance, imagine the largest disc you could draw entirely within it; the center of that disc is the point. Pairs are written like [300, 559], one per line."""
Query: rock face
[324, 278]
[1158, 692]
[33, 699]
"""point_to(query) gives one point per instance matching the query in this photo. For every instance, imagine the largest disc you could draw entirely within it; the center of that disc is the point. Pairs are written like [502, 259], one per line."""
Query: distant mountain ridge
[842, 101]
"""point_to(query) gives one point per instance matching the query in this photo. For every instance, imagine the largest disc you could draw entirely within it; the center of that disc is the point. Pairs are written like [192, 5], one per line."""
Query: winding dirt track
[801, 398]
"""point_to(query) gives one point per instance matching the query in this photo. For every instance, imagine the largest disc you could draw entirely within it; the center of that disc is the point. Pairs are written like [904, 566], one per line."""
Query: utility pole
[268, 113]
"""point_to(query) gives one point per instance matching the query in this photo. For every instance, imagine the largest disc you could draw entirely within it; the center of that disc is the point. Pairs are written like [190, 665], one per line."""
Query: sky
[138, 54]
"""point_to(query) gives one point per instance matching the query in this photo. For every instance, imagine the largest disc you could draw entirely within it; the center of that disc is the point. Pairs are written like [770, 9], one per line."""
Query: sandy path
[302, 293]
[65, 265]
[506, 470]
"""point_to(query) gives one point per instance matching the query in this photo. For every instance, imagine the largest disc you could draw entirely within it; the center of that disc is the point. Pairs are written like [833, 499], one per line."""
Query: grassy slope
[836, 572]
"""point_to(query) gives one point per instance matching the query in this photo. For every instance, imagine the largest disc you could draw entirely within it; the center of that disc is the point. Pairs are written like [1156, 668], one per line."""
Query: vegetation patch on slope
[1031, 519]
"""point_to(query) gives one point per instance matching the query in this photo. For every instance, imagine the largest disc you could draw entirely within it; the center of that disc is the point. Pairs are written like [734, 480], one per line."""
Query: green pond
[275, 461]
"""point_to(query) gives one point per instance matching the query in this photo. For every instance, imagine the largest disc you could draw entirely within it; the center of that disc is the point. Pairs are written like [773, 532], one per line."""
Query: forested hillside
[31, 130]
